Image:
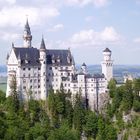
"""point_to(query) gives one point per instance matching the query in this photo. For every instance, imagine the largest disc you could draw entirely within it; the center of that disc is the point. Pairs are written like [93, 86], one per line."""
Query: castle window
[24, 81]
[30, 87]
[38, 68]
[61, 74]
[31, 81]
[28, 68]
[56, 79]
[23, 68]
[68, 74]
[50, 68]
[56, 68]
[39, 75]
[44, 73]
[44, 62]
[38, 86]
[49, 74]
[24, 75]
[24, 87]
[29, 75]
[38, 80]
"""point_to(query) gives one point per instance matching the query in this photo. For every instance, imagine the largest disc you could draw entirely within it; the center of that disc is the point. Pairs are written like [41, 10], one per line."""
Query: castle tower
[27, 37]
[43, 70]
[84, 68]
[107, 64]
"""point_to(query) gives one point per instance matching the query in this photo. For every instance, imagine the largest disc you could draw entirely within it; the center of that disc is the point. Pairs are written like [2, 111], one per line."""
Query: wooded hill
[58, 118]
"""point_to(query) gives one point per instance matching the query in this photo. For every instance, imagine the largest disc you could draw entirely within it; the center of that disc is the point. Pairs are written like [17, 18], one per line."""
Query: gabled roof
[107, 50]
[28, 56]
[54, 55]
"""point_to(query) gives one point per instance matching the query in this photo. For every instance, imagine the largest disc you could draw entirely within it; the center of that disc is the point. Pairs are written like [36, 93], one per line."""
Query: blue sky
[84, 26]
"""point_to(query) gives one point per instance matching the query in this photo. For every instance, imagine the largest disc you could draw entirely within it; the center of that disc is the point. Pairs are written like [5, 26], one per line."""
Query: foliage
[60, 119]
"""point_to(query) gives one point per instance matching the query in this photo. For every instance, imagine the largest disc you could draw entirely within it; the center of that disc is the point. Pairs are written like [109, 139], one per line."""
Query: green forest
[58, 118]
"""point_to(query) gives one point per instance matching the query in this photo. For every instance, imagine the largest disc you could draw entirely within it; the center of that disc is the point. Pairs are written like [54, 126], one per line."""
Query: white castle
[39, 70]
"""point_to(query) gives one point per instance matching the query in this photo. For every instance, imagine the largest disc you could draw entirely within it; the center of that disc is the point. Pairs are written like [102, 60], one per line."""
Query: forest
[58, 118]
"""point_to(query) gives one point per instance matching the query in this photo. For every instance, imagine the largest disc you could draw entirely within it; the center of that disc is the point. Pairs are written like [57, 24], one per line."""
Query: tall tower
[107, 64]
[43, 70]
[27, 37]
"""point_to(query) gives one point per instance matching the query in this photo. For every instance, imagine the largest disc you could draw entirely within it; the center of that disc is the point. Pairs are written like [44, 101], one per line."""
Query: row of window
[30, 68]
[61, 68]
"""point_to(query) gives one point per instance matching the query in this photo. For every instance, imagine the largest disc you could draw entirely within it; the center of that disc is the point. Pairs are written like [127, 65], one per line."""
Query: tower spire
[27, 37]
[42, 46]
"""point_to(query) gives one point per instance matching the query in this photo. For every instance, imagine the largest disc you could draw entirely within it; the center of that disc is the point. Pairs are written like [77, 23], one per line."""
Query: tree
[91, 125]
[127, 100]
[63, 133]
[112, 87]
[78, 113]
[110, 132]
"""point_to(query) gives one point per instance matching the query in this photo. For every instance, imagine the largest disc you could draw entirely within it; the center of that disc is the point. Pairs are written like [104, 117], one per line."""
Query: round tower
[84, 68]
[43, 70]
[27, 37]
[107, 64]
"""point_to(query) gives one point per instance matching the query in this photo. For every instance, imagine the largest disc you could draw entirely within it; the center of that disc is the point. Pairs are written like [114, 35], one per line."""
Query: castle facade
[39, 70]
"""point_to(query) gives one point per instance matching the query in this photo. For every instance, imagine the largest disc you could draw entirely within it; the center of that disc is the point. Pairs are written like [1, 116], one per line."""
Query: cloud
[15, 15]
[96, 3]
[136, 40]
[89, 38]
[9, 36]
[56, 28]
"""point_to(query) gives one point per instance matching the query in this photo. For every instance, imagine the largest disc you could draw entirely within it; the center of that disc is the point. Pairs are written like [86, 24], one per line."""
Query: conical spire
[42, 46]
[27, 35]
[27, 27]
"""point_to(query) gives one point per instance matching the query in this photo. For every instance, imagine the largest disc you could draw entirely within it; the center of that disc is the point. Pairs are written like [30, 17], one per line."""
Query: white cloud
[89, 38]
[9, 36]
[15, 15]
[136, 40]
[96, 3]
[56, 28]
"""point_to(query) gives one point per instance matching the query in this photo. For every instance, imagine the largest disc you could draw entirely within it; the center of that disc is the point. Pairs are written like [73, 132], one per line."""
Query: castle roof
[54, 55]
[42, 46]
[84, 64]
[107, 50]
[30, 56]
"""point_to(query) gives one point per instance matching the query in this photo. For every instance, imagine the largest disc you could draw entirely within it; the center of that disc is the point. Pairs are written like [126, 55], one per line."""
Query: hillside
[58, 118]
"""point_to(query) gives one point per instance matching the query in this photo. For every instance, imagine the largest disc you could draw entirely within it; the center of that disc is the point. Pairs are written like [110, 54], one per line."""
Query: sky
[87, 27]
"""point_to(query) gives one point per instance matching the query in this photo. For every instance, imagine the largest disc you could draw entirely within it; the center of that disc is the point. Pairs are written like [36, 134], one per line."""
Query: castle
[39, 70]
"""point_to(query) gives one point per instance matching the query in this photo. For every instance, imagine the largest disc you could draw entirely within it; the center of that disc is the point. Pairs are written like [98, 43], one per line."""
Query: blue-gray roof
[27, 56]
[42, 46]
[32, 56]
[61, 55]
[107, 50]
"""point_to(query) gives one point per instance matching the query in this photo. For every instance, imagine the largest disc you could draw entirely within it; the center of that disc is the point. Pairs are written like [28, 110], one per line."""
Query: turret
[43, 70]
[84, 68]
[27, 37]
[107, 64]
